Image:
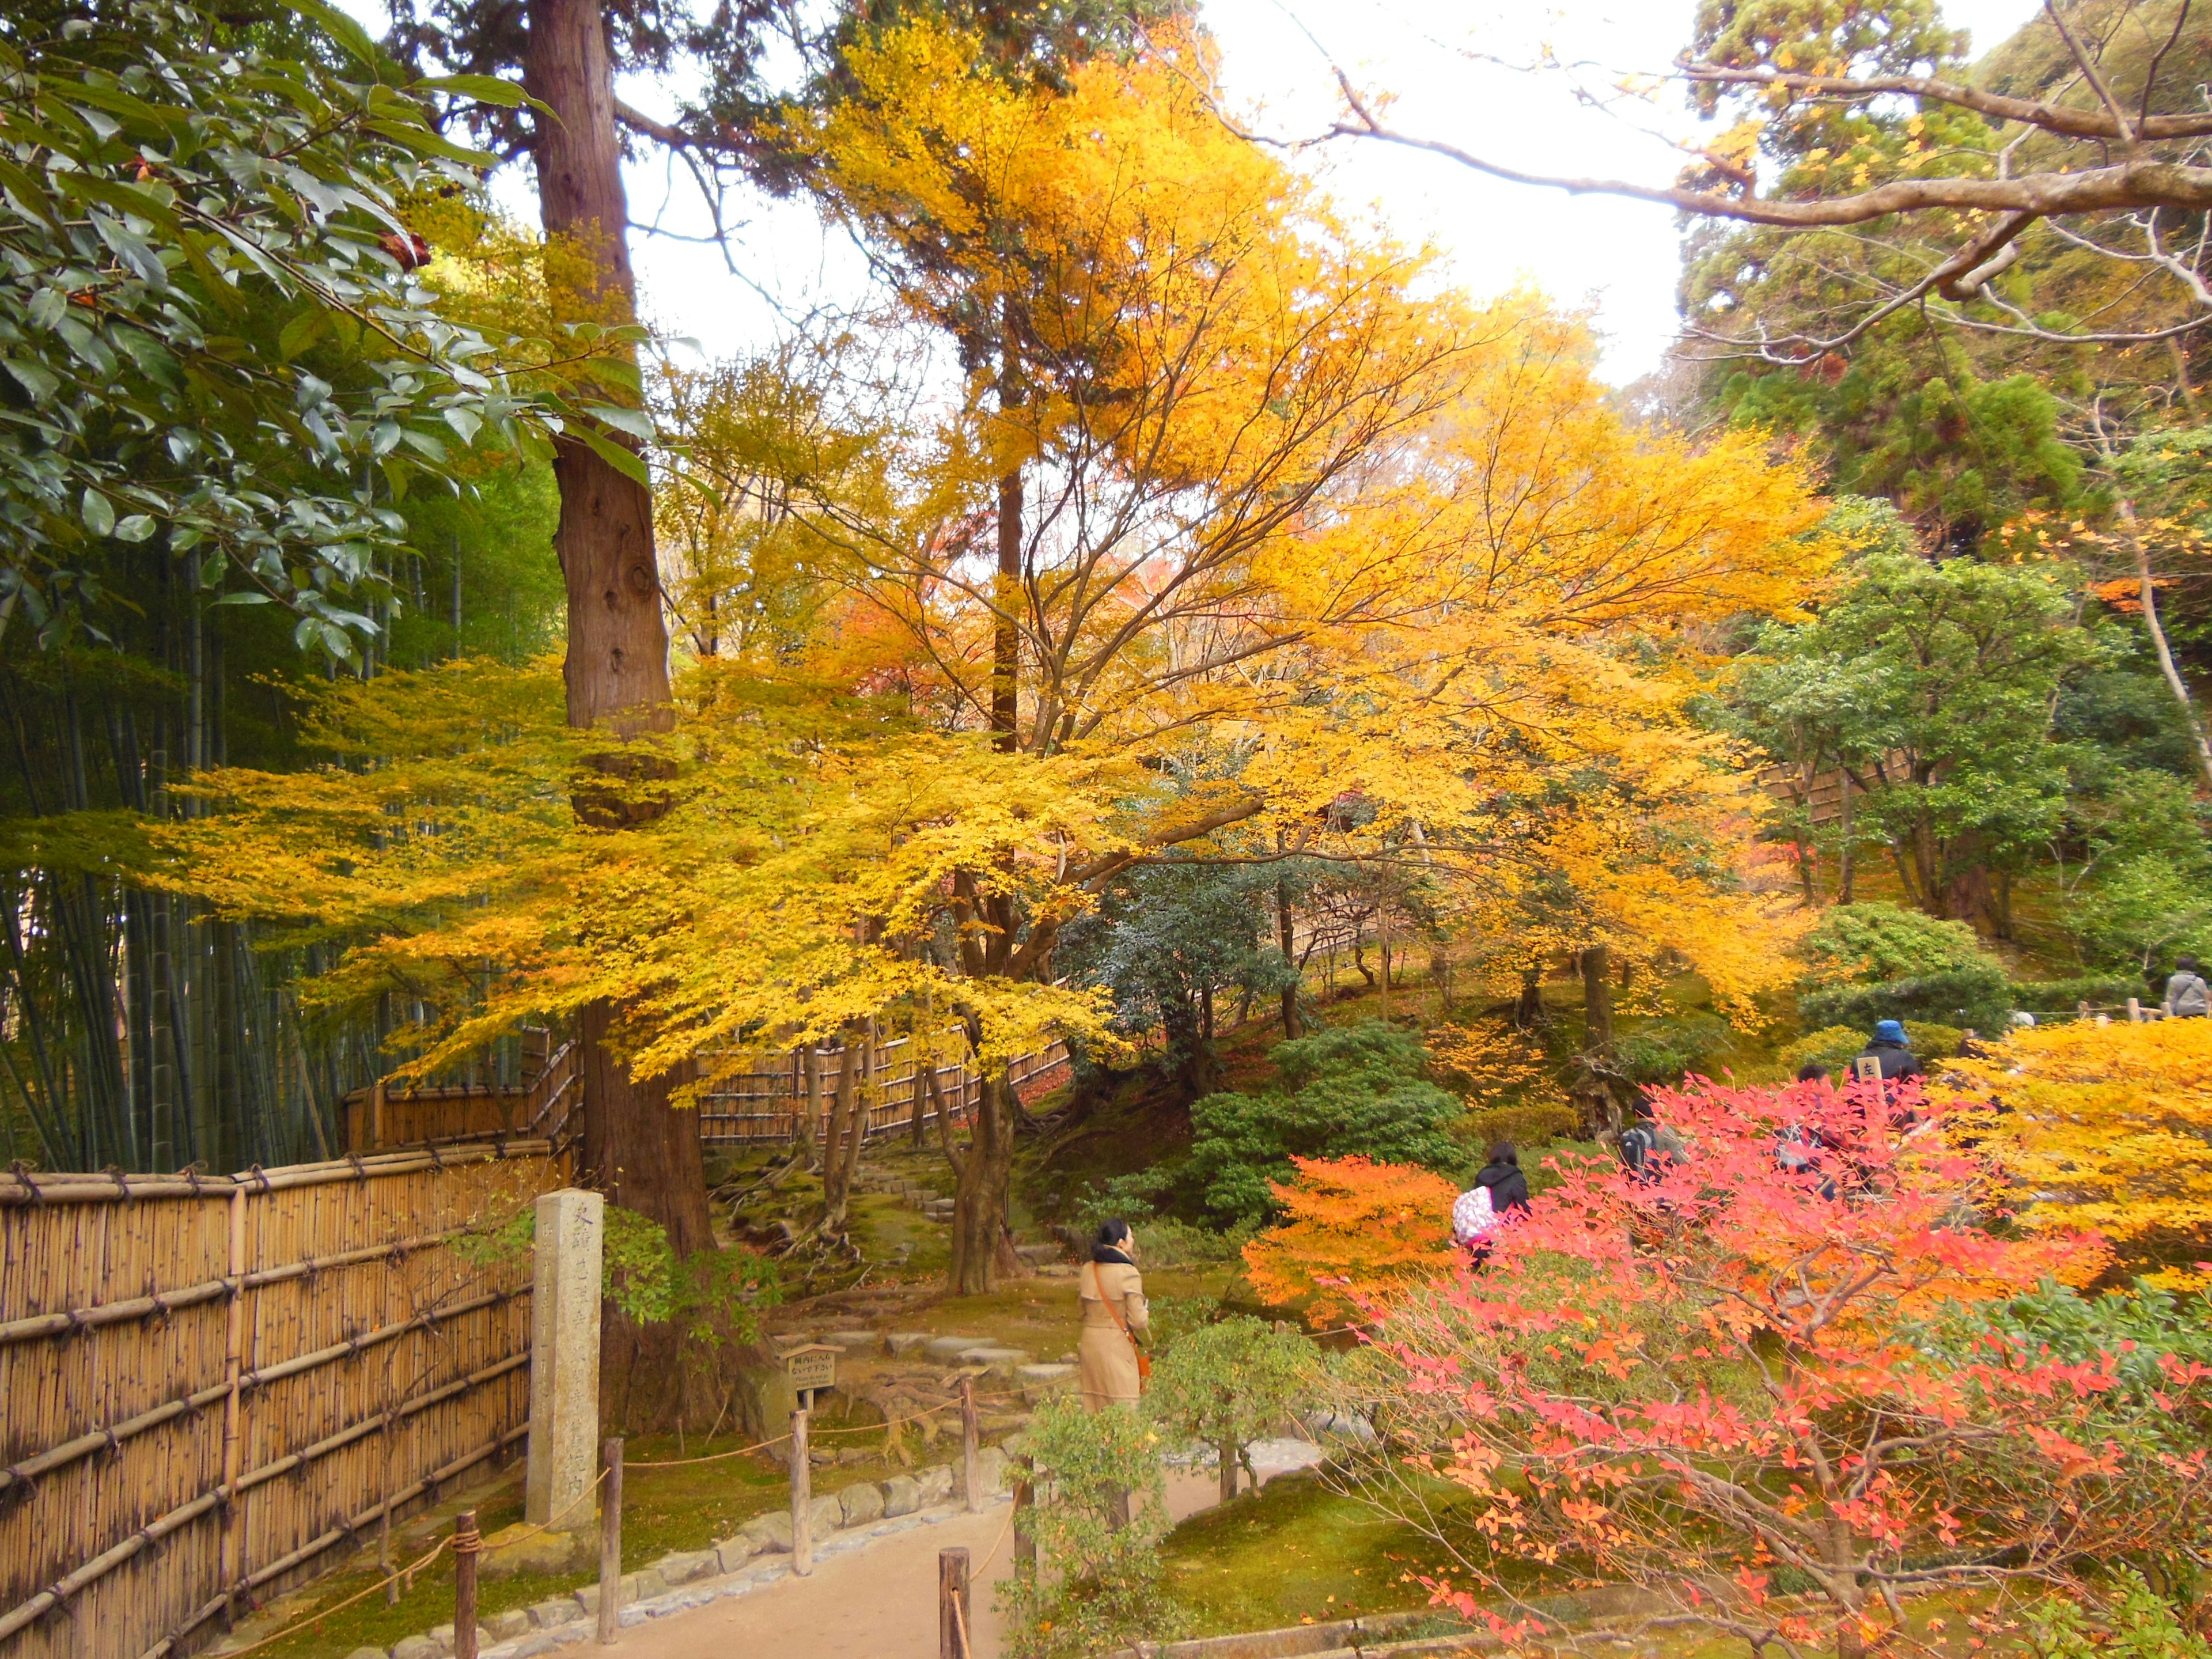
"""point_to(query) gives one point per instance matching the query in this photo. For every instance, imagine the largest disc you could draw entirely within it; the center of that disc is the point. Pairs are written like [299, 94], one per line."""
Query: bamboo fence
[768, 1105]
[206, 1382]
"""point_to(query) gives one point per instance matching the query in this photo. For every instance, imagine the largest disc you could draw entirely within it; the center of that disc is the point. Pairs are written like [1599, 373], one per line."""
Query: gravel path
[875, 1597]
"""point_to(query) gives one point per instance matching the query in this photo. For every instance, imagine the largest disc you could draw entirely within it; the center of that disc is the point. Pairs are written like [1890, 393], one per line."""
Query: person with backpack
[1892, 1052]
[2187, 997]
[1647, 1146]
[1499, 1189]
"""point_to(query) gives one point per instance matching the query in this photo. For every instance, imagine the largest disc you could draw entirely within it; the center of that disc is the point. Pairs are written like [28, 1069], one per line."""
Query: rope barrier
[814, 1433]
[471, 1542]
[293, 1629]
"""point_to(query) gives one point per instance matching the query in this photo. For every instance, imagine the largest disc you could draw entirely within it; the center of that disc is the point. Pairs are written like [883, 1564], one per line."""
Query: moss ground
[1294, 1550]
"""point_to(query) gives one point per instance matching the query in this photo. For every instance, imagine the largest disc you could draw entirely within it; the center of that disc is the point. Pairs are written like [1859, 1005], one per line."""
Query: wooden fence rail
[207, 1381]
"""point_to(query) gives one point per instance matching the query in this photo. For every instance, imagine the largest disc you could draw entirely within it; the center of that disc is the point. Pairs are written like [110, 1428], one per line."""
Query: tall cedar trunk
[1284, 941]
[1006, 645]
[637, 1148]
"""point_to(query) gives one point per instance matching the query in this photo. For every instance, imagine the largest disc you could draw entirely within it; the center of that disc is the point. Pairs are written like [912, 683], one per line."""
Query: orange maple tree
[1356, 1235]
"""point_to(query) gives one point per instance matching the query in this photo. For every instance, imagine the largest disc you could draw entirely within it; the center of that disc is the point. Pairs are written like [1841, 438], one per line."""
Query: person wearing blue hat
[1891, 1050]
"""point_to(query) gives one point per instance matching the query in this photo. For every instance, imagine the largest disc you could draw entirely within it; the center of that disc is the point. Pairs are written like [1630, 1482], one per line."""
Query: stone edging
[759, 1553]
[747, 1579]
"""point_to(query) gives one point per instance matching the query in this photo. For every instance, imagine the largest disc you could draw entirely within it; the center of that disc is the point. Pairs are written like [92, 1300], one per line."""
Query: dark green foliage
[2064, 995]
[1866, 943]
[1177, 944]
[1666, 1050]
[1233, 1379]
[206, 348]
[1351, 1090]
[1974, 996]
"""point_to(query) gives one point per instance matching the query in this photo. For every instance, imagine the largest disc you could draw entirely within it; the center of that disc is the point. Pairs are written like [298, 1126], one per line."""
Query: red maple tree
[1774, 1383]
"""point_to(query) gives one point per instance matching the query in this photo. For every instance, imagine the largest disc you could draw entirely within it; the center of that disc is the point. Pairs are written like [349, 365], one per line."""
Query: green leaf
[485, 88]
[341, 29]
[635, 421]
[246, 596]
[40, 383]
[627, 462]
[302, 331]
[617, 372]
[98, 513]
[138, 527]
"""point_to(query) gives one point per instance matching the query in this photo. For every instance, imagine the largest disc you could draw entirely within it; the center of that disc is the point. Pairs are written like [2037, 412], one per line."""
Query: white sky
[1619, 257]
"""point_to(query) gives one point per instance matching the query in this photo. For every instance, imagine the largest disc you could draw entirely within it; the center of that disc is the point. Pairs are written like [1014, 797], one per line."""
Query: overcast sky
[1619, 257]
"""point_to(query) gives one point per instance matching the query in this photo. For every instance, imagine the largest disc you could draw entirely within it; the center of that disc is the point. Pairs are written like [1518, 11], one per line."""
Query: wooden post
[970, 1446]
[468, 1544]
[611, 1546]
[952, 1604]
[1229, 1450]
[376, 1117]
[802, 1498]
[2135, 1012]
[1025, 1549]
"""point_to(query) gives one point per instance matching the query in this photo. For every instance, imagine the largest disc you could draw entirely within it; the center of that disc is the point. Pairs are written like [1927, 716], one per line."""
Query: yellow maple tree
[2106, 1128]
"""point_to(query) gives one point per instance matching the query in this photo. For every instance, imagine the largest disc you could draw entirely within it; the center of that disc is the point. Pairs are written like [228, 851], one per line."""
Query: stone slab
[949, 1347]
[902, 1496]
[863, 1502]
[902, 1342]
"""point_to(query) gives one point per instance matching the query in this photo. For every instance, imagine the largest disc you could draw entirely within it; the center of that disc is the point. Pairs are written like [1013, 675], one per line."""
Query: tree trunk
[1597, 999]
[834, 1189]
[1528, 1007]
[645, 1154]
[2147, 588]
[1007, 640]
[984, 1179]
[1846, 863]
[1284, 940]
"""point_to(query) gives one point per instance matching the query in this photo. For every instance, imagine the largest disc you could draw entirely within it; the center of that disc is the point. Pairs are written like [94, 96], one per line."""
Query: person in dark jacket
[1892, 1051]
[1509, 1188]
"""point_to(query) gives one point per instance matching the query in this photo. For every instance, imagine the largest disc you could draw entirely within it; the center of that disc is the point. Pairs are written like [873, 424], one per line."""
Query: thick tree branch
[2050, 118]
[2133, 184]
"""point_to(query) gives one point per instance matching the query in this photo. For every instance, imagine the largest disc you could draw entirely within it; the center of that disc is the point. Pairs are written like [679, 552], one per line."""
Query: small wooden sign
[810, 1367]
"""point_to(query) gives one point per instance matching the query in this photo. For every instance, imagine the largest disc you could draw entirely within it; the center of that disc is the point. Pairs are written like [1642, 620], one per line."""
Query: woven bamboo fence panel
[769, 1105]
[205, 1383]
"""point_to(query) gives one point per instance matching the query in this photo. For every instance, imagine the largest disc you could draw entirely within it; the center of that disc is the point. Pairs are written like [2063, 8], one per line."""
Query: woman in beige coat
[1112, 1297]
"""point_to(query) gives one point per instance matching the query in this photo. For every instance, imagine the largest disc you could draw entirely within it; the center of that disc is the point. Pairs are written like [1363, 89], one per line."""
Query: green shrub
[1102, 1590]
[1665, 1050]
[1976, 995]
[2053, 996]
[1230, 1382]
[1873, 944]
[1351, 1090]
[1834, 1046]
[1528, 1127]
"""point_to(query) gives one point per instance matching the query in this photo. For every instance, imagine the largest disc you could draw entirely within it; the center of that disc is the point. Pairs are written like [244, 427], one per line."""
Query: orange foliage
[1355, 1234]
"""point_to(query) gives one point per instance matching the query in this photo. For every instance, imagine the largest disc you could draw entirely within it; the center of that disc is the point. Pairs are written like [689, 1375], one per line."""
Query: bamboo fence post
[610, 1545]
[468, 1544]
[802, 1498]
[952, 1604]
[233, 1360]
[970, 1451]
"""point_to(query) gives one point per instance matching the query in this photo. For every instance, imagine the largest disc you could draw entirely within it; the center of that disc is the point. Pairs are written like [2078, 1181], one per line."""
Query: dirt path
[879, 1603]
